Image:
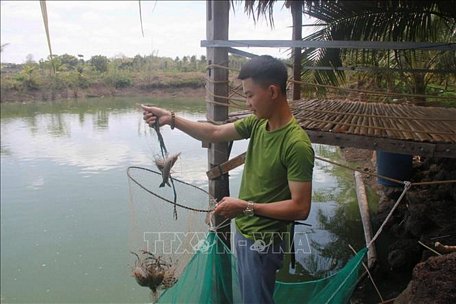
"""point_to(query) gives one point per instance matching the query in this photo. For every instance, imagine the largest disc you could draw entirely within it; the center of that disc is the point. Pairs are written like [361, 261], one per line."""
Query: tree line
[69, 71]
[75, 74]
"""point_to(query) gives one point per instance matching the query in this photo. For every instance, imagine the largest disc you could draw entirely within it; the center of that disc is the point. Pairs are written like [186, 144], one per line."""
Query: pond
[66, 210]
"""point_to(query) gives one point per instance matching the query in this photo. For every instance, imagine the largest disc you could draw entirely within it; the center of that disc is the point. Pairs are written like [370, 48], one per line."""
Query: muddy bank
[433, 281]
[426, 215]
[101, 90]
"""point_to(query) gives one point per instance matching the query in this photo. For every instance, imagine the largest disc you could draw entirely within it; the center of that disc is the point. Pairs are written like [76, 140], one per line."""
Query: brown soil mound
[433, 281]
[426, 214]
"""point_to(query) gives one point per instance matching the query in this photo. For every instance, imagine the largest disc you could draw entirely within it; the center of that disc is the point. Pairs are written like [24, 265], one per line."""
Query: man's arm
[202, 131]
[296, 208]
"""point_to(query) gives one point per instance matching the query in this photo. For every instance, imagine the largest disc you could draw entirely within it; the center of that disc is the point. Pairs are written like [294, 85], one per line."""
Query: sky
[112, 28]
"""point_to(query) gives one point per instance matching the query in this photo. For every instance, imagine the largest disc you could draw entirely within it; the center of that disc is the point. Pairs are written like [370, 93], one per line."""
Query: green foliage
[69, 79]
[429, 21]
[28, 78]
[100, 63]
[57, 82]
[138, 62]
[118, 79]
[68, 62]
[10, 83]
[83, 80]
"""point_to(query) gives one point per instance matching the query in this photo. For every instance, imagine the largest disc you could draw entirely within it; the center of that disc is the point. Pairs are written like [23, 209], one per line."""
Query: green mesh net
[211, 277]
[333, 289]
[204, 269]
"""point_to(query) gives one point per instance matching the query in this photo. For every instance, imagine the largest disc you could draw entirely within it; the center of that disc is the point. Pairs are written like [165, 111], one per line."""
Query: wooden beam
[389, 145]
[226, 166]
[296, 12]
[241, 53]
[385, 144]
[332, 44]
[445, 150]
[377, 69]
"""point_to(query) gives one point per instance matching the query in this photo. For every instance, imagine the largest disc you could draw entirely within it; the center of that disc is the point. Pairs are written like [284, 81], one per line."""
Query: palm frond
[3, 47]
[258, 8]
[140, 18]
[46, 27]
[431, 21]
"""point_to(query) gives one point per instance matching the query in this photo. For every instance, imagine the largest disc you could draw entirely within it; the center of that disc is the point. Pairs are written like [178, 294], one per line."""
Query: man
[276, 184]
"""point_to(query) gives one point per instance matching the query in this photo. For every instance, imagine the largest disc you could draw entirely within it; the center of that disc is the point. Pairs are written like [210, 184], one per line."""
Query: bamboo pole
[344, 109]
[372, 120]
[377, 123]
[401, 124]
[414, 125]
[444, 248]
[359, 119]
[353, 119]
[365, 218]
[347, 116]
[395, 124]
[382, 123]
[364, 121]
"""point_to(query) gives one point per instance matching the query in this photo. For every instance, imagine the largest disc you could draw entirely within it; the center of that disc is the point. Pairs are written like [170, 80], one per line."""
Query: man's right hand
[205, 132]
[151, 114]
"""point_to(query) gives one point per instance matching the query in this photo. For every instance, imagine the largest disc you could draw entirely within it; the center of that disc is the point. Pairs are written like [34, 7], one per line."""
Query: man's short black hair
[265, 70]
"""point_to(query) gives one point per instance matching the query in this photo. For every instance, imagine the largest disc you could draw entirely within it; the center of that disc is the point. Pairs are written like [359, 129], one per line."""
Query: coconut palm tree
[425, 21]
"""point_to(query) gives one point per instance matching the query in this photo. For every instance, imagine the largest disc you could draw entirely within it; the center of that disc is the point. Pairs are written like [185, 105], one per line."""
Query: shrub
[118, 79]
[100, 63]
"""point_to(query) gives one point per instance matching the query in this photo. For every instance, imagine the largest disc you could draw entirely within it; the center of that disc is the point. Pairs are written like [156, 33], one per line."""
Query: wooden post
[365, 218]
[217, 29]
[296, 12]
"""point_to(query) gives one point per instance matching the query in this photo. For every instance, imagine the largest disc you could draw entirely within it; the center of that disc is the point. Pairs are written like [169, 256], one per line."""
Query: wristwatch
[249, 211]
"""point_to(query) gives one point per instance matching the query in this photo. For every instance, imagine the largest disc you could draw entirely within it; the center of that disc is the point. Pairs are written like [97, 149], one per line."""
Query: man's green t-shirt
[272, 159]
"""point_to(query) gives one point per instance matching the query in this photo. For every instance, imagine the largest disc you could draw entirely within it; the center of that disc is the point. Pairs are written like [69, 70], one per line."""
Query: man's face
[258, 98]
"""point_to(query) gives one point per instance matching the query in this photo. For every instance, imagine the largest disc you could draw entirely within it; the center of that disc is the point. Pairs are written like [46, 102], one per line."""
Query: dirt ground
[426, 214]
[433, 281]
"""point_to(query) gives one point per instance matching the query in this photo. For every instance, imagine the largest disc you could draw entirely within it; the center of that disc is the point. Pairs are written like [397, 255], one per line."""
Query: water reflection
[64, 196]
[334, 219]
[101, 119]
[93, 134]
[345, 223]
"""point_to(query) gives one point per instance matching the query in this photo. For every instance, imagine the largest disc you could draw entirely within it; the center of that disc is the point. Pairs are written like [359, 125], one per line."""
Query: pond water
[65, 212]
